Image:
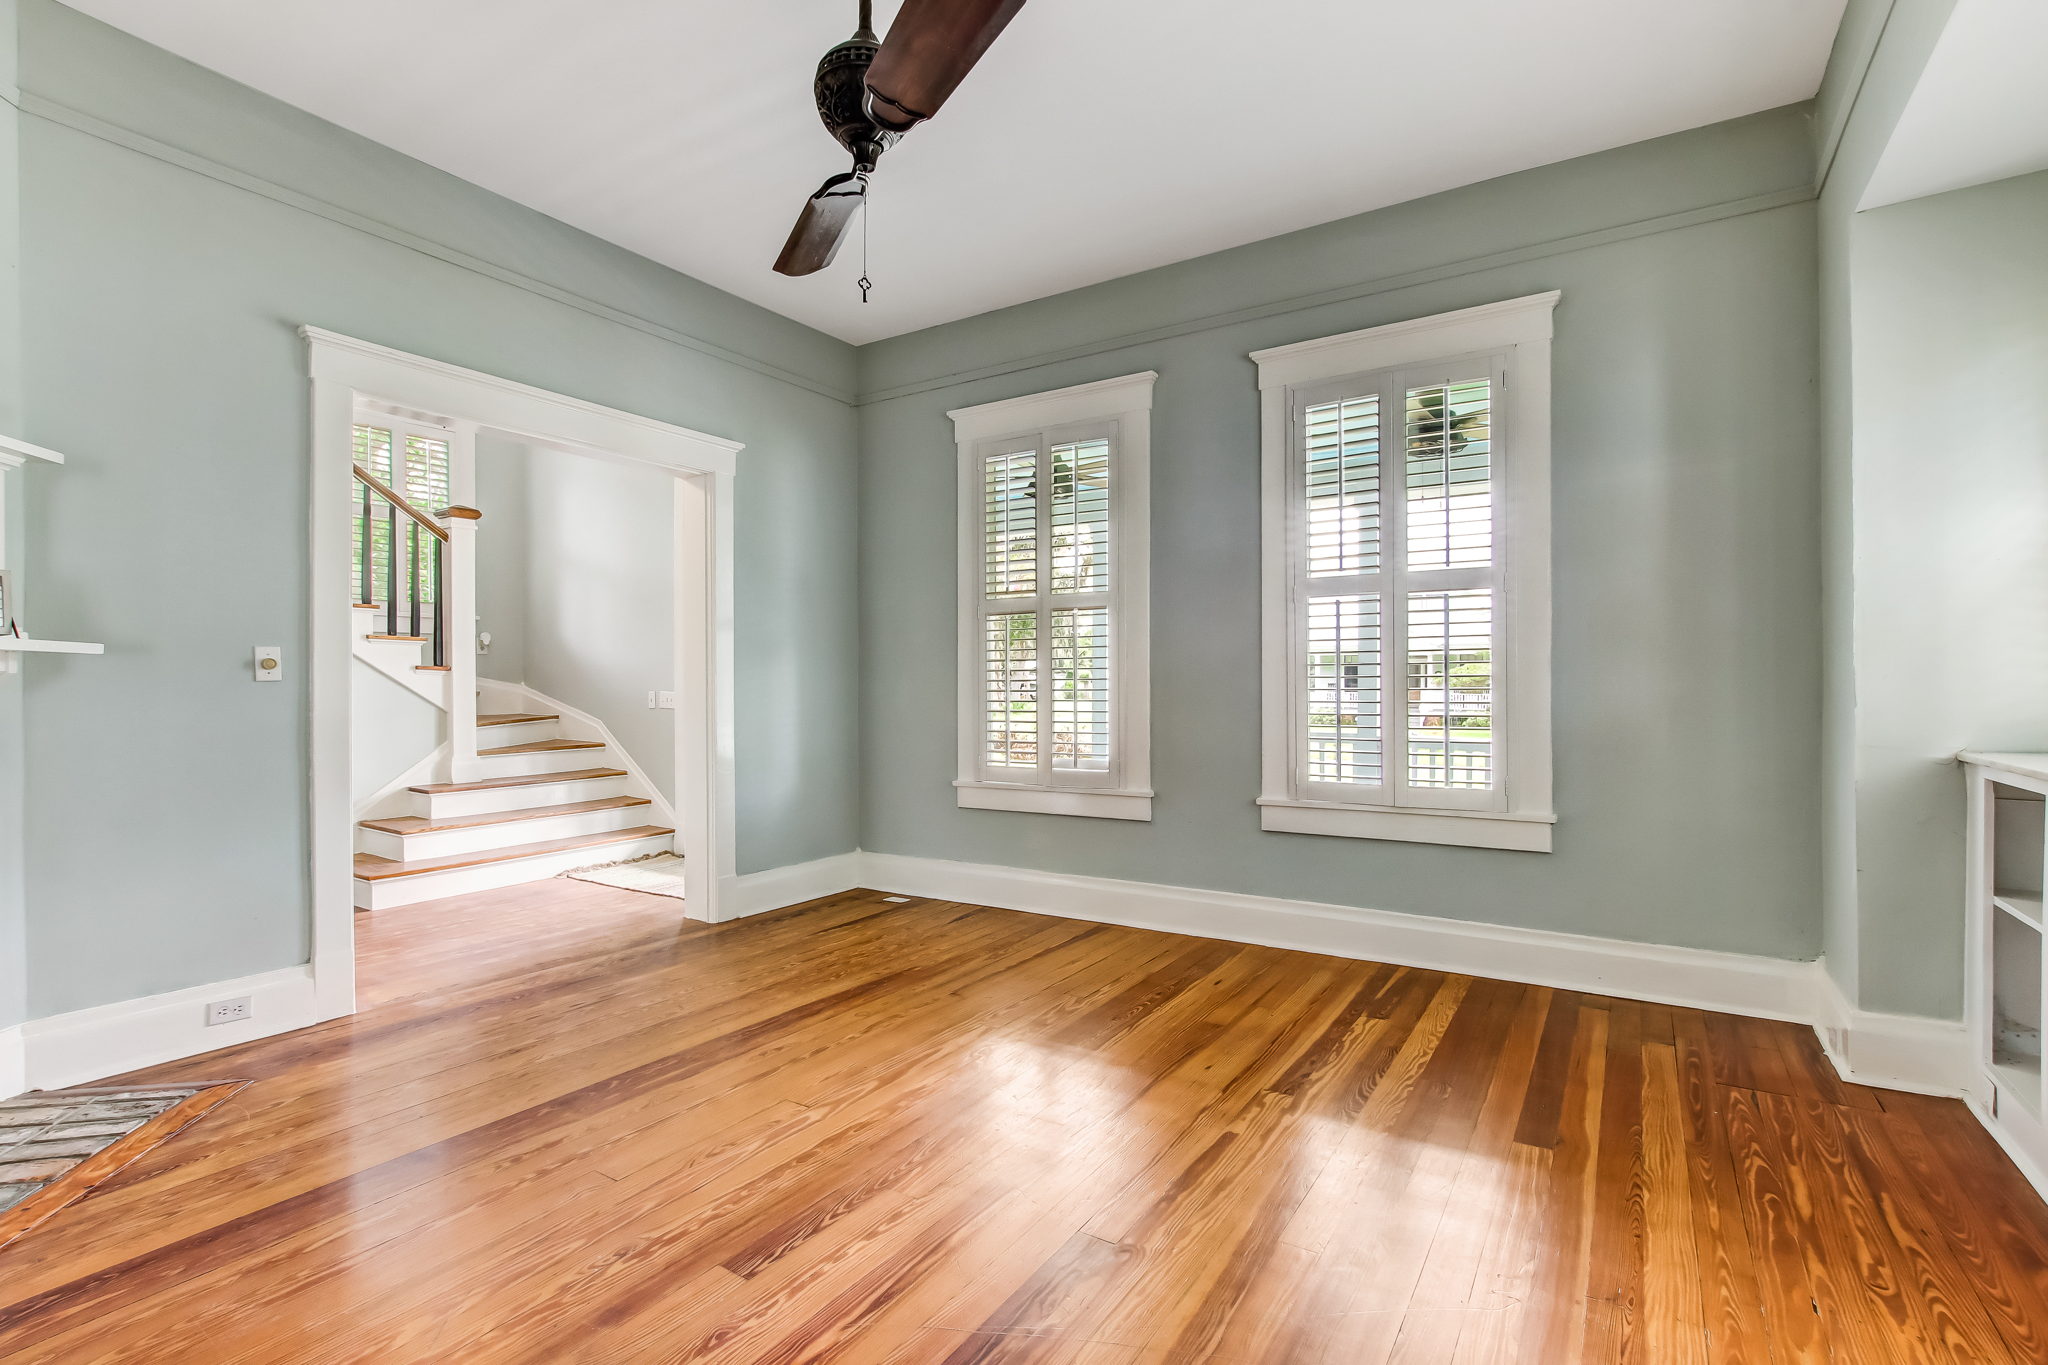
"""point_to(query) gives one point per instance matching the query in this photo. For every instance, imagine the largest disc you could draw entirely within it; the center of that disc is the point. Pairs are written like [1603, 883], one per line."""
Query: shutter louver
[1344, 739]
[423, 481]
[1450, 690]
[1010, 654]
[1449, 476]
[1080, 689]
[1343, 486]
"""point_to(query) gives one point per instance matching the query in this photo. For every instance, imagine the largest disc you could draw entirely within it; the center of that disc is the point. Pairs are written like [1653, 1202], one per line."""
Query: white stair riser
[546, 761]
[395, 891]
[413, 848]
[495, 799]
[528, 732]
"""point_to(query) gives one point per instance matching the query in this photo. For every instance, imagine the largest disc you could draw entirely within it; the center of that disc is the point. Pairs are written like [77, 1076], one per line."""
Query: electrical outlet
[661, 701]
[227, 1011]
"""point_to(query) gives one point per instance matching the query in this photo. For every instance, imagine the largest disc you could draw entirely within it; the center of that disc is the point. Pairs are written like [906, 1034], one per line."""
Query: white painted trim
[1121, 409]
[1488, 327]
[1770, 988]
[14, 453]
[1056, 407]
[1458, 828]
[1892, 1051]
[1512, 338]
[108, 1040]
[756, 893]
[344, 371]
[13, 1062]
[1104, 805]
[580, 724]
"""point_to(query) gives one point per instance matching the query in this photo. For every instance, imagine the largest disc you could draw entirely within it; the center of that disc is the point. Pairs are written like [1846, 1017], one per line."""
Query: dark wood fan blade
[930, 49]
[815, 239]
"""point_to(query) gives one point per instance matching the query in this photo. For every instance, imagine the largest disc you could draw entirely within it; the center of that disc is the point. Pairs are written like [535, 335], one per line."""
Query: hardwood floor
[566, 1126]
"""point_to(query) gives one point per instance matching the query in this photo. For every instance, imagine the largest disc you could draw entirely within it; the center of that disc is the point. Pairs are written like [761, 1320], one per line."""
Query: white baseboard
[1770, 988]
[759, 892]
[107, 1040]
[1892, 1051]
[13, 1063]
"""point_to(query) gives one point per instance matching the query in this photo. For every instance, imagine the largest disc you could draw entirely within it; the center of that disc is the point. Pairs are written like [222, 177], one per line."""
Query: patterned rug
[55, 1145]
[660, 875]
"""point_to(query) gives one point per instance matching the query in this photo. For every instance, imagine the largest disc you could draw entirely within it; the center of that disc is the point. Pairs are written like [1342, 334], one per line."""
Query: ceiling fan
[871, 92]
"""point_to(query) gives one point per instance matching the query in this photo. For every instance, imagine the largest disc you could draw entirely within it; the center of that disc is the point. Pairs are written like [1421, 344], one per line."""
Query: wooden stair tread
[408, 639]
[541, 746]
[430, 668]
[371, 868]
[420, 824]
[514, 717]
[526, 780]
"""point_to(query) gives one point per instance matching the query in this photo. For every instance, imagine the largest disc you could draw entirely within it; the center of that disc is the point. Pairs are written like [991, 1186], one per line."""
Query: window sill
[1097, 804]
[1522, 833]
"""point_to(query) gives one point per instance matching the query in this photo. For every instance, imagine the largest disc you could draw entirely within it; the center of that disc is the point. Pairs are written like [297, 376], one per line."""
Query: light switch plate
[661, 701]
[269, 661]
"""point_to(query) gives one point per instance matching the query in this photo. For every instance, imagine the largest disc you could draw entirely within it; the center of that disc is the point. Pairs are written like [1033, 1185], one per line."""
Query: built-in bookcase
[2008, 858]
[15, 639]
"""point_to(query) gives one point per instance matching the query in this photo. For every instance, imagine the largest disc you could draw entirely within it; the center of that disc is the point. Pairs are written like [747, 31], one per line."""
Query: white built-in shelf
[2021, 905]
[9, 643]
[2020, 1082]
[14, 454]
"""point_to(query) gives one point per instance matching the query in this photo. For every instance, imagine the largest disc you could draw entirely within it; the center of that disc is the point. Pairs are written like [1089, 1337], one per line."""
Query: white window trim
[1125, 791]
[1518, 332]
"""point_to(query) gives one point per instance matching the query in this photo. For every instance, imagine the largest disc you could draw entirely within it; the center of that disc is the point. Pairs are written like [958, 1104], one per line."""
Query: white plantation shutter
[1047, 710]
[1418, 571]
[1054, 601]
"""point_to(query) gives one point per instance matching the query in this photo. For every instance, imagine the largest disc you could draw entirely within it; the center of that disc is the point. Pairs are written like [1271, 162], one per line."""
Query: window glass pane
[1010, 658]
[1080, 689]
[1450, 475]
[1450, 690]
[372, 452]
[1344, 739]
[1343, 472]
[1009, 510]
[1080, 517]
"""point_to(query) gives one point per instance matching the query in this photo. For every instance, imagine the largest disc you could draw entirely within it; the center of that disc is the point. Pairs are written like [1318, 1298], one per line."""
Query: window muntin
[1048, 607]
[1418, 573]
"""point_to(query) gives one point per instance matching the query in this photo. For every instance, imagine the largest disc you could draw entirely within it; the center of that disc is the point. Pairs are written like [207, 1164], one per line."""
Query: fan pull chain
[864, 282]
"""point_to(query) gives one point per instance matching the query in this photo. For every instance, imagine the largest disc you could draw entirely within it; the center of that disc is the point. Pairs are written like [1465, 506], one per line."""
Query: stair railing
[450, 566]
[383, 506]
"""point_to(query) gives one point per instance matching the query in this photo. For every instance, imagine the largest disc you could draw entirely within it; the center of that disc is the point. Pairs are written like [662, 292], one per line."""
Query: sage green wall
[1687, 572]
[1950, 501]
[177, 229]
[501, 555]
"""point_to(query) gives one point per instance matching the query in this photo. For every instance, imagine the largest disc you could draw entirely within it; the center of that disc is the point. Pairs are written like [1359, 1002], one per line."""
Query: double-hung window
[415, 460]
[1406, 581]
[1054, 601]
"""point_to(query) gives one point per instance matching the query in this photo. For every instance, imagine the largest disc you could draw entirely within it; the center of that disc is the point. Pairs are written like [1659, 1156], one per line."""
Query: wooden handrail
[383, 490]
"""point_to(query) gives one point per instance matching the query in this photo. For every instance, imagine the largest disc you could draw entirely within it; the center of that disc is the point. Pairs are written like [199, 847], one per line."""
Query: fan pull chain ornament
[871, 92]
[864, 282]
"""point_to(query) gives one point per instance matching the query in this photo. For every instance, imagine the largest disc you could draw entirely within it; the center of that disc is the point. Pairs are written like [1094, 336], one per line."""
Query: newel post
[458, 641]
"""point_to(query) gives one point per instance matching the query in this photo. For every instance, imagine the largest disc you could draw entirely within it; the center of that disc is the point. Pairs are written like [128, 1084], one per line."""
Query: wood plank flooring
[567, 1126]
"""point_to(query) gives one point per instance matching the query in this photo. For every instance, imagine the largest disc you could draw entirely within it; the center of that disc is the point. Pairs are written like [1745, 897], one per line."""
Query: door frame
[344, 370]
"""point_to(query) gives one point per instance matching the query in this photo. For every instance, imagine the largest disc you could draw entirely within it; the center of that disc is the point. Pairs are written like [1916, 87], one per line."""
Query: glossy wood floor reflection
[567, 1126]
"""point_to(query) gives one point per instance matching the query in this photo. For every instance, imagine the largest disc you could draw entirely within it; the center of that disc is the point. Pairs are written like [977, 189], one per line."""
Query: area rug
[56, 1145]
[661, 875]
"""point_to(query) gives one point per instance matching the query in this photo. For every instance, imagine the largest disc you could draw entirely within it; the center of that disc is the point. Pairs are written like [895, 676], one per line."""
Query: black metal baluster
[366, 540]
[414, 585]
[391, 572]
[440, 613]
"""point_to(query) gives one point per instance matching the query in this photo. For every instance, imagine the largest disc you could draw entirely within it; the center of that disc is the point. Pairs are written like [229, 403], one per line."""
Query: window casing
[1054, 602]
[1406, 581]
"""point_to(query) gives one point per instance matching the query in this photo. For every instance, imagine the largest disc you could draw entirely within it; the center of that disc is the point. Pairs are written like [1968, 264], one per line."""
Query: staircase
[544, 805]
[523, 802]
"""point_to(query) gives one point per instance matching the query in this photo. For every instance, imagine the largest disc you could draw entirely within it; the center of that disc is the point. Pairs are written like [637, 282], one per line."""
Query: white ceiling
[1097, 138]
[1980, 110]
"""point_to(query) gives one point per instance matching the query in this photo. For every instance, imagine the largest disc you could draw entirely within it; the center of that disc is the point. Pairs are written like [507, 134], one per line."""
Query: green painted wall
[1950, 498]
[178, 228]
[1687, 572]
[13, 909]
